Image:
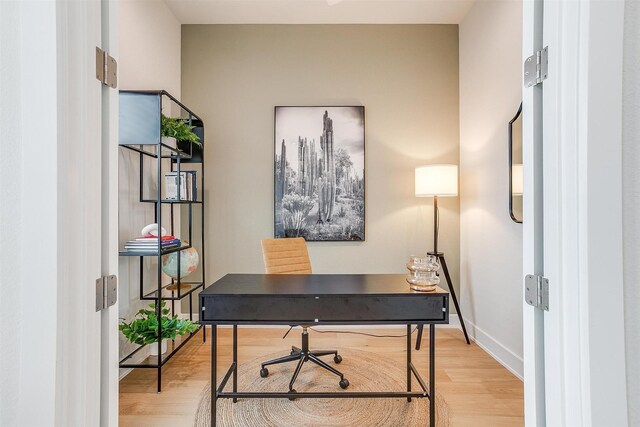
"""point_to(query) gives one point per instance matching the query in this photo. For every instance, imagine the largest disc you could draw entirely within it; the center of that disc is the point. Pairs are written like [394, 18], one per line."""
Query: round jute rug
[365, 371]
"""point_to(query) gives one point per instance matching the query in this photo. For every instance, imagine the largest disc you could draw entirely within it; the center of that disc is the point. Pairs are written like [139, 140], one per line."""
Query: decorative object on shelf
[439, 181]
[151, 230]
[319, 173]
[144, 328]
[153, 349]
[189, 261]
[174, 127]
[175, 287]
[423, 273]
[516, 175]
[186, 182]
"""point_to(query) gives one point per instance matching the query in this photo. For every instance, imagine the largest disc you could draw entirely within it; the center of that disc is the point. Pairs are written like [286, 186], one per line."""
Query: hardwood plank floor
[479, 391]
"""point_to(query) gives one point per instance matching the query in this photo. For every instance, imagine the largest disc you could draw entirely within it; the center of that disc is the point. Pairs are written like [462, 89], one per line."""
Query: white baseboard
[495, 349]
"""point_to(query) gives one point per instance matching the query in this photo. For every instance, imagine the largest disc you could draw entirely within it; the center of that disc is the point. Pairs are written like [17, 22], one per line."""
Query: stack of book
[187, 183]
[150, 244]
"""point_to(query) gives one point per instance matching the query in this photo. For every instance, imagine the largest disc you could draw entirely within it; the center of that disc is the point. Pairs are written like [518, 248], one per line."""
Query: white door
[574, 351]
[87, 156]
[59, 212]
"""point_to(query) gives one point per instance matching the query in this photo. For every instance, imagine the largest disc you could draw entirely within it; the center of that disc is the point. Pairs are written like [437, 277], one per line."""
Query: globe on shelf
[189, 261]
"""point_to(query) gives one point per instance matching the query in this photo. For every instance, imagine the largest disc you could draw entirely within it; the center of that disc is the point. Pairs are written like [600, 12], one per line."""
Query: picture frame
[319, 188]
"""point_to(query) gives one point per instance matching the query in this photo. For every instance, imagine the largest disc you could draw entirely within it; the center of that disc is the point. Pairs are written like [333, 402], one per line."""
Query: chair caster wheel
[337, 358]
[264, 372]
[293, 390]
[344, 383]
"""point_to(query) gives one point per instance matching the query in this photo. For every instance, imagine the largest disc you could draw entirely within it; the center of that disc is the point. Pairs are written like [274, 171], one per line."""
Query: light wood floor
[479, 391]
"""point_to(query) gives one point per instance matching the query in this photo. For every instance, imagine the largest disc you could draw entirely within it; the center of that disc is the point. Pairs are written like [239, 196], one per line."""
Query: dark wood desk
[320, 299]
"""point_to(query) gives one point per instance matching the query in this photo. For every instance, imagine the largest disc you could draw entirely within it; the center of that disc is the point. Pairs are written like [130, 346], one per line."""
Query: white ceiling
[319, 12]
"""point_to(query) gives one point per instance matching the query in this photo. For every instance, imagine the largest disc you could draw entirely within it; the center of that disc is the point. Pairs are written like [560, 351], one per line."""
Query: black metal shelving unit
[139, 131]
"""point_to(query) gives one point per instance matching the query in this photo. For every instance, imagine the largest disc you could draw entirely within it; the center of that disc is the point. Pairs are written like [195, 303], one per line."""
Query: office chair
[290, 256]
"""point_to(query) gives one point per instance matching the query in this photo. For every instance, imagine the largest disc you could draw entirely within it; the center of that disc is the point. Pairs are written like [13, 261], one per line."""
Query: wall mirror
[515, 167]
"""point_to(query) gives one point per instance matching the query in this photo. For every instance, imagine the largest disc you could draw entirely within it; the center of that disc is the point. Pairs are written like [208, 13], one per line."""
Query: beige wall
[149, 46]
[490, 242]
[406, 76]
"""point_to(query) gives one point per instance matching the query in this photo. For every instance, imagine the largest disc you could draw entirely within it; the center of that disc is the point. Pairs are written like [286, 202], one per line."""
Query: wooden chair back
[286, 256]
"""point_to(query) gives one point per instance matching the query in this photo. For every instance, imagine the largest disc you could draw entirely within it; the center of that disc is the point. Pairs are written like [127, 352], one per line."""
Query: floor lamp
[439, 181]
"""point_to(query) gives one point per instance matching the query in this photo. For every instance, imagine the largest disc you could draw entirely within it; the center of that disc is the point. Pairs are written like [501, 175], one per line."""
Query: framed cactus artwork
[319, 173]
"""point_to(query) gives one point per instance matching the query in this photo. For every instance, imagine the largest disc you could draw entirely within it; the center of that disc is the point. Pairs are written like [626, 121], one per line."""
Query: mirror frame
[511, 165]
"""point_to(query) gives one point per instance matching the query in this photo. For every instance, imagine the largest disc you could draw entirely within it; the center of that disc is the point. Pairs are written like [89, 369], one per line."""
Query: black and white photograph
[319, 173]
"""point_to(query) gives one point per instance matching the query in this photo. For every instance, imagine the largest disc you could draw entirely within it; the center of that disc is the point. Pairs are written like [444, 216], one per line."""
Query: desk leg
[235, 361]
[408, 361]
[214, 372]
[432, 375]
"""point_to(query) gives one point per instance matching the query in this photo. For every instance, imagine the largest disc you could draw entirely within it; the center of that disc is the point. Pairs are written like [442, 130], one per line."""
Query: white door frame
[584, 359]
[532, 233]
[109, 354]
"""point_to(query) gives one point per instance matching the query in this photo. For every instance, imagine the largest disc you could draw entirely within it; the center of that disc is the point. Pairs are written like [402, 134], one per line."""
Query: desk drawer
[413, 308]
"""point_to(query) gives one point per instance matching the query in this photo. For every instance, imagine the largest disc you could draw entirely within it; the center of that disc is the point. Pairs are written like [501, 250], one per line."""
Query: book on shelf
[153, 239]
[147, 250]
[172, 245]
[187, 183]
[150, 244]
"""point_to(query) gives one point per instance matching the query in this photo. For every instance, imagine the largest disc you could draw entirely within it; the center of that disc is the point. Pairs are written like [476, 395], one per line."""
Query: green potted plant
[144, 328]
[179, 129]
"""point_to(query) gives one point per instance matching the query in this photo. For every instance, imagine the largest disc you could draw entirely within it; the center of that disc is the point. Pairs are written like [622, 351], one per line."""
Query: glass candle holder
[422, 273]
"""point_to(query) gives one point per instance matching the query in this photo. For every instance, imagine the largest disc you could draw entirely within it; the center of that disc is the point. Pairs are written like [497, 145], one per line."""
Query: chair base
[303, 355]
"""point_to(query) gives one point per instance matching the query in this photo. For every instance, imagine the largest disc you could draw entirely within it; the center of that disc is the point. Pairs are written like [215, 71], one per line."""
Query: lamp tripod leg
[453, 295]
[452, 291]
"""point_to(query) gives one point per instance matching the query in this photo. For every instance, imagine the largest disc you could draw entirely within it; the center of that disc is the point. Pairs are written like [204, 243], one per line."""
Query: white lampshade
[517, 180]
[437, 180]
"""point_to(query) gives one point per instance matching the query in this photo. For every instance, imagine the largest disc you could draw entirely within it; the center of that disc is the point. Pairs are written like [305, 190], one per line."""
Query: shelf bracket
[106, 291]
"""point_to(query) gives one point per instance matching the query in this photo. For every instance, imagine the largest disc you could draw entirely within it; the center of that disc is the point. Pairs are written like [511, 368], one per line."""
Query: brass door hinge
[106, 68]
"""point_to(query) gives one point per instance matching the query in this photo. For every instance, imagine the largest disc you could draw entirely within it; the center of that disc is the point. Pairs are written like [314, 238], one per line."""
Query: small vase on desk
[153, 348]
[423, 273]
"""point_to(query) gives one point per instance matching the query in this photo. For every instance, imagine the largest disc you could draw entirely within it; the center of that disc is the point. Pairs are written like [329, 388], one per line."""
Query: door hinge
[536, 67]
[536, 291]
[106, 291]
[106, 68]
